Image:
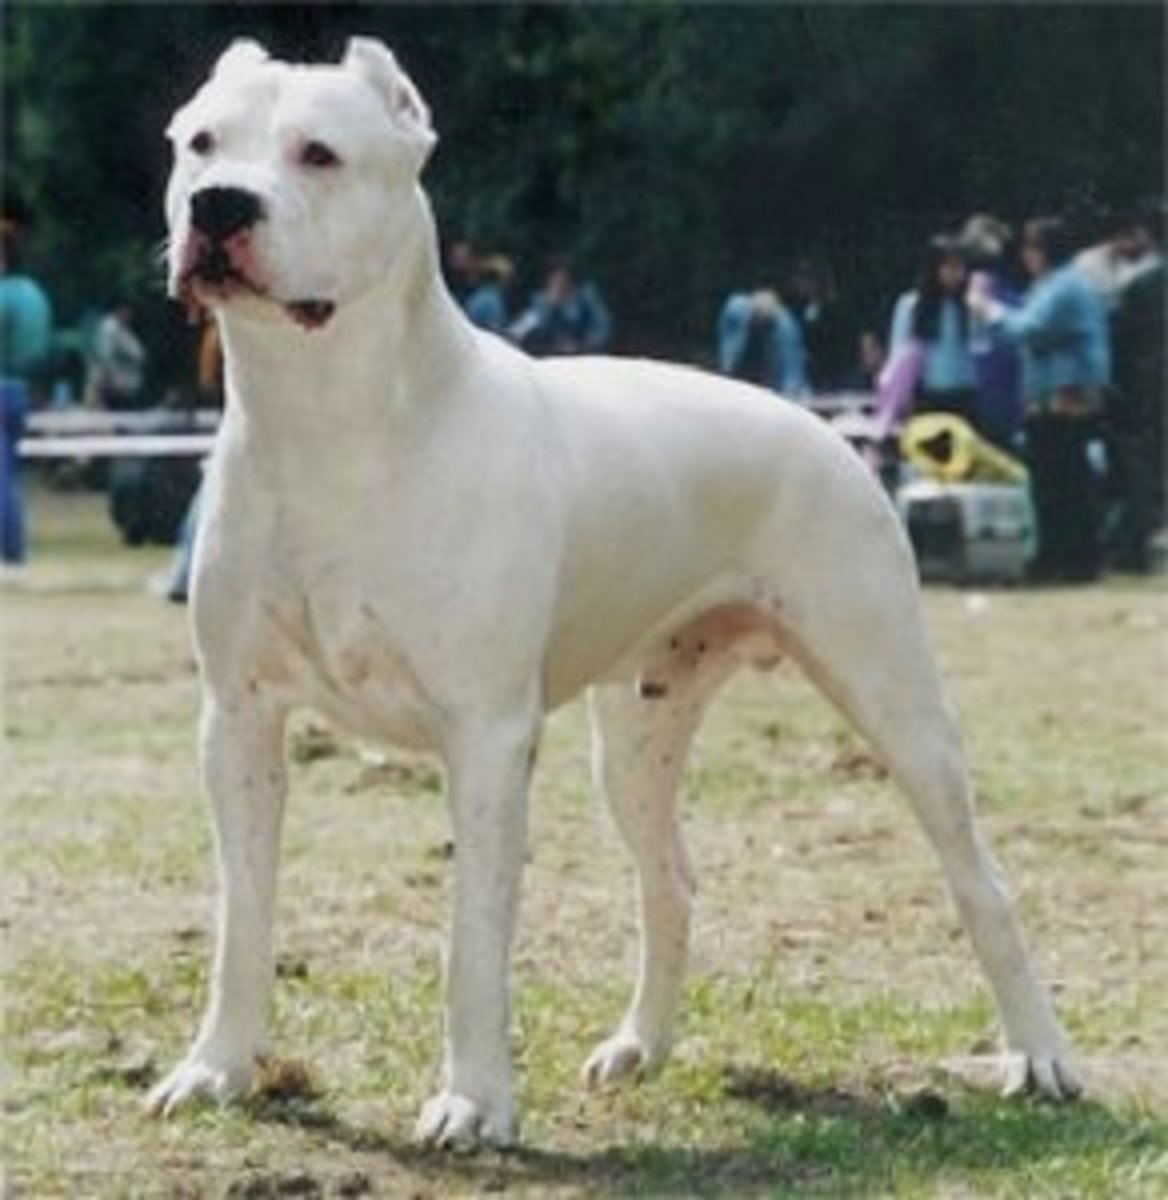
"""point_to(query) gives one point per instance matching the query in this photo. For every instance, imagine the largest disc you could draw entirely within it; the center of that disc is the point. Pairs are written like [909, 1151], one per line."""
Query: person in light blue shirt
[26, 328]
[26, 316]
[760, 341]
[1061, 332]
[934, 316]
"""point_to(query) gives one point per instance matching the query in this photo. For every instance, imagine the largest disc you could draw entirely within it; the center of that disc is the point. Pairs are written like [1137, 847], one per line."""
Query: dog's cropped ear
[239, 56]
[375, 63]
[243, 52]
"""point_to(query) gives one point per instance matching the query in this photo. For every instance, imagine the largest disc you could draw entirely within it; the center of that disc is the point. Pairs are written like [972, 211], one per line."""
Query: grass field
[835, 1029]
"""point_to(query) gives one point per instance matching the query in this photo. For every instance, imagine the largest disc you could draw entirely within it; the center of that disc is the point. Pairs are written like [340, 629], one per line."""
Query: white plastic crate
[969, 532]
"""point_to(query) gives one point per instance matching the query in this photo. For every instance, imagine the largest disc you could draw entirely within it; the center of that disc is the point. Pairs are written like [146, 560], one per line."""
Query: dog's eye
[317, 154]
[202, 143]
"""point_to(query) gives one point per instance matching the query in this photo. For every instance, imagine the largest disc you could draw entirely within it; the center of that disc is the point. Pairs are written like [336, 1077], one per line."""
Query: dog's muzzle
[219, 256]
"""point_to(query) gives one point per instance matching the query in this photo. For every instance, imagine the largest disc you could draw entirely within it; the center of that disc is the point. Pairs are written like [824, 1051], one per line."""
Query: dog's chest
[337, 653]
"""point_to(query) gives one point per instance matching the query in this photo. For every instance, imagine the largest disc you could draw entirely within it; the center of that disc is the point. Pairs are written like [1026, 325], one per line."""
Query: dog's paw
[624, 1056]
[1050, 1075]
[453, 1122]
[201, 1077]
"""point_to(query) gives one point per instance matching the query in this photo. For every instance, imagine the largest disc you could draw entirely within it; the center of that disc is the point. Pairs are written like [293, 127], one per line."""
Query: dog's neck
[293, 383]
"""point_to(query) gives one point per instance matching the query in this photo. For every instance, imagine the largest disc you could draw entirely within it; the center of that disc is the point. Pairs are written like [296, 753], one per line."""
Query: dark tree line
[677, 150]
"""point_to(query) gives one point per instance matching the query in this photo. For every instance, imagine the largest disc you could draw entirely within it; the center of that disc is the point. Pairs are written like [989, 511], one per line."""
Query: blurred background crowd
[904, 202]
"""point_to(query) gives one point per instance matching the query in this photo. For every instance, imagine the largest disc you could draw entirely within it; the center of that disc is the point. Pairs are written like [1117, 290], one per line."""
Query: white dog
[434, 540]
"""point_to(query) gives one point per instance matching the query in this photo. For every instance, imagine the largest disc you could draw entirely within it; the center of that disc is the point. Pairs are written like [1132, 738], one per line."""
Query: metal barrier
[91, 433]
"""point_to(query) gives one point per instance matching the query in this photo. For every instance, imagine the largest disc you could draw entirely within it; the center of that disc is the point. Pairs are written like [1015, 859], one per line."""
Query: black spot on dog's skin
[650, 689]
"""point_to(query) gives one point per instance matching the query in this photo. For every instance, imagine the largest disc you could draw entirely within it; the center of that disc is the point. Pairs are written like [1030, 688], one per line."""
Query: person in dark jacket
[1061, 332]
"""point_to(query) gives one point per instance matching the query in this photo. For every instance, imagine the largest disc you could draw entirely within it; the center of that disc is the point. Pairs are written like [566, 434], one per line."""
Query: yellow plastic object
[946, 448]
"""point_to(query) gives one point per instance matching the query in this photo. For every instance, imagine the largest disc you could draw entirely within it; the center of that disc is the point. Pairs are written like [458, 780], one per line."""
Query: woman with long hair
[933, 319]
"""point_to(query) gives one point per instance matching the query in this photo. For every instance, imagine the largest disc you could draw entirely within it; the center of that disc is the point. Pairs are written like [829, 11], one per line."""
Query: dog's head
[291, 184]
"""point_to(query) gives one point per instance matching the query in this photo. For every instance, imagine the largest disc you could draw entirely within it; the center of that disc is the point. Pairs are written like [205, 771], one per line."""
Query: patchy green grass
[833, 1004]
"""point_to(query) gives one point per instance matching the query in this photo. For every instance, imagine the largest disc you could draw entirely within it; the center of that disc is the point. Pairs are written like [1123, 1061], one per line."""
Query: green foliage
[677, 150]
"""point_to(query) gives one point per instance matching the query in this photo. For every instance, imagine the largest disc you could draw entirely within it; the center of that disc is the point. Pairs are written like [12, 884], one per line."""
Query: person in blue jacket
[486, 305]
[566, 317]
[1061, 332]
[759, 340]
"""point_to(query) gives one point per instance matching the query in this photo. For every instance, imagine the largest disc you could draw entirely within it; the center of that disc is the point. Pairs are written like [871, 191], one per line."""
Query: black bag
[148, 497]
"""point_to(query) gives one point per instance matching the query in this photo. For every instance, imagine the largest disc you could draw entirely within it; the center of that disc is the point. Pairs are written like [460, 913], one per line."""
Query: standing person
[486, 305]
[932, 319]
[760, 341]
[462, 269]
[26, 326]
[996, 366]
[828, 328]
[118, 363]
[26, 314]
[1061, 330]
[565, 317]
[1136, 408]
[1129, 247]
[209, 380]
[13, 535]
[871, 357]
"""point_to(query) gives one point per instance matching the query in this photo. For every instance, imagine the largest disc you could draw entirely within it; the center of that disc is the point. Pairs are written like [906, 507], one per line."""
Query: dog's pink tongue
[311, 314]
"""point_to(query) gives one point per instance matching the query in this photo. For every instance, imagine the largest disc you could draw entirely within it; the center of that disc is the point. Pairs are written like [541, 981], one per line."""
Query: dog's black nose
[219, 212]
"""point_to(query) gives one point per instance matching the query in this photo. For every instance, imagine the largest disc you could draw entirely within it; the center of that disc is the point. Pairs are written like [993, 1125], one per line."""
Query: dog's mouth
[311, 314]
[215, 278]
[215, 269]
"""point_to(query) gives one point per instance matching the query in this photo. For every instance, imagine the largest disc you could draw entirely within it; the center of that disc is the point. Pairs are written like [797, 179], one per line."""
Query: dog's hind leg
[866, 648]
[641, 738]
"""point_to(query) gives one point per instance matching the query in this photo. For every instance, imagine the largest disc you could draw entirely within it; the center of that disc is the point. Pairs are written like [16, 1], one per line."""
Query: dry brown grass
[827, 963]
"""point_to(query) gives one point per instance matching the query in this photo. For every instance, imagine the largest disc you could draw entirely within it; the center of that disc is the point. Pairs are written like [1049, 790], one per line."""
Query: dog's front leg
[242, 751]
[489, 765]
